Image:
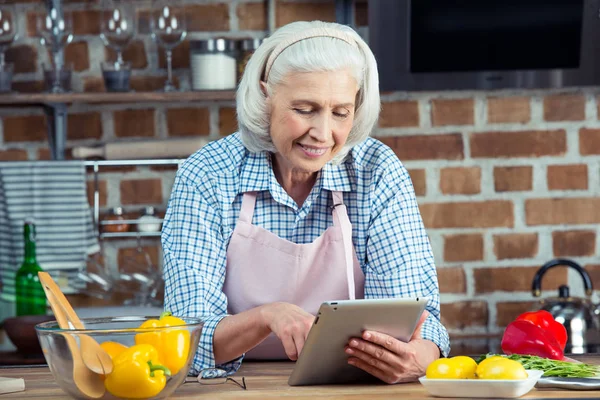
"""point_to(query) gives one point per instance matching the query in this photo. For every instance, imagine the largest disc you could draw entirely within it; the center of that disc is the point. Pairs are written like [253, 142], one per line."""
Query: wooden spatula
[94, 356]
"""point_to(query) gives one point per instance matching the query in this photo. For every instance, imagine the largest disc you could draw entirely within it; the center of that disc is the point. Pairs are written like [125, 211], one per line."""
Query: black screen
[493, 35]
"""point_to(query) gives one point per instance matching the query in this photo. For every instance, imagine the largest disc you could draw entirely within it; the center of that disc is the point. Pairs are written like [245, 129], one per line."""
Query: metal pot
[578, 315]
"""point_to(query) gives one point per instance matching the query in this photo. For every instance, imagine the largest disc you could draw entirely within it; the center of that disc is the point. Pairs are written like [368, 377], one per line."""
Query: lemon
[500, 368]
[444, 368]
[468, 365]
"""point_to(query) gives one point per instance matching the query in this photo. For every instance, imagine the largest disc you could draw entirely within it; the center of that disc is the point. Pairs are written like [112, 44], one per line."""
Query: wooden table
[265, 380]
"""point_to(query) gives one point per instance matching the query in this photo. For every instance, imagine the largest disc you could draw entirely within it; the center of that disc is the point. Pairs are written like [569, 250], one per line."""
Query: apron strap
[340, 214]
[248, 203]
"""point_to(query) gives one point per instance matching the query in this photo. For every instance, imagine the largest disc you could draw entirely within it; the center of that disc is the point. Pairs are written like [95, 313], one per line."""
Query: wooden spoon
[94, 356]
[89, 383]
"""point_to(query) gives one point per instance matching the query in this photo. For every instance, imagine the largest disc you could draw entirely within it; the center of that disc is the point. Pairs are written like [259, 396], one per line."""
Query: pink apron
[264, 268]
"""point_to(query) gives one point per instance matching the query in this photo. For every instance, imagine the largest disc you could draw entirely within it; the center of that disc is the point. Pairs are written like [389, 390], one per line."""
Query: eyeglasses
[215, 376]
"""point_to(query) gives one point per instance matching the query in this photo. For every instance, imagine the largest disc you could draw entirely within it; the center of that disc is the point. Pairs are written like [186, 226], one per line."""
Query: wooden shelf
[113, 98]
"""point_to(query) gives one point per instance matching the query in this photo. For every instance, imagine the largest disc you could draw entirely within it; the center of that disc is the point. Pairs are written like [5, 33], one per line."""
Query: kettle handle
[536, 287]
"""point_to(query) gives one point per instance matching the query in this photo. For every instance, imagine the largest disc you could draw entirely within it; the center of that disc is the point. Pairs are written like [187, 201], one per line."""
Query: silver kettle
[579, 315]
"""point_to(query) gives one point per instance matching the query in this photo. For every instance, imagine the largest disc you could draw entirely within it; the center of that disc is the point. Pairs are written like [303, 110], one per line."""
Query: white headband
[309, 33]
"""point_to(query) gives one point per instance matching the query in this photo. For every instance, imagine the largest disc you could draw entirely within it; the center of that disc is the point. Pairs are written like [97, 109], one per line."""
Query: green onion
[562, 369]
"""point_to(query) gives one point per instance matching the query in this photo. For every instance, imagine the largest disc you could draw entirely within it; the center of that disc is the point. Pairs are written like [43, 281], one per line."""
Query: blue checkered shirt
[387, 231]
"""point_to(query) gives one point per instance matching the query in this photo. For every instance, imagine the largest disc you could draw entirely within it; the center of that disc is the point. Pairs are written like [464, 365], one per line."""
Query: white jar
[213, 64]
[149, 222]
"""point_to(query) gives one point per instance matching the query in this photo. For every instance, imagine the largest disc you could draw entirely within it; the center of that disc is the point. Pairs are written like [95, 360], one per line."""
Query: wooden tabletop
[265, 380]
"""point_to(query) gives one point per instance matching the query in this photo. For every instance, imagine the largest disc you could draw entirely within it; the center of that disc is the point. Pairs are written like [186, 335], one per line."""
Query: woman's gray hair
[315, 54]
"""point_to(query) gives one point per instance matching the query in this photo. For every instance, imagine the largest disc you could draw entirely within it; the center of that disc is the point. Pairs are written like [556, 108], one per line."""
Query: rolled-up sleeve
[194, 263]
[400, 260]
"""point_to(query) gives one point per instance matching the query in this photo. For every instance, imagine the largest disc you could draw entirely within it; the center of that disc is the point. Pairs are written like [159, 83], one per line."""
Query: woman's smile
[312, 151]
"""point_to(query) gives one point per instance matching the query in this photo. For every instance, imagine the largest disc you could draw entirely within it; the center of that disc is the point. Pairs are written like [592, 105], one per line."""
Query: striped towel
[53, 194]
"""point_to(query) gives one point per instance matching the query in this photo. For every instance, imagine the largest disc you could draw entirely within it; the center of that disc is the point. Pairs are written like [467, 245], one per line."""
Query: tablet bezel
[323, 359]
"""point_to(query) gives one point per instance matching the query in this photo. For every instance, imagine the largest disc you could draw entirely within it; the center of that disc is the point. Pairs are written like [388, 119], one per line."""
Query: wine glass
[8, 30]
[168, 29]
[117, 26]
[55, 29]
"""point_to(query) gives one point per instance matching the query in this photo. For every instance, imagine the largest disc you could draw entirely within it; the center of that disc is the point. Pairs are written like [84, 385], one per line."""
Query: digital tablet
[323, 359]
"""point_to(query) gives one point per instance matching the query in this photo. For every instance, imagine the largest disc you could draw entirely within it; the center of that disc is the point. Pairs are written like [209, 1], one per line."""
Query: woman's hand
[291, 325]
[390, 359]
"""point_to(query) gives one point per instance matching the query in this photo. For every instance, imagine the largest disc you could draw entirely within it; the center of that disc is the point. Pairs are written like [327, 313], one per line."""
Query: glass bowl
[122, 330]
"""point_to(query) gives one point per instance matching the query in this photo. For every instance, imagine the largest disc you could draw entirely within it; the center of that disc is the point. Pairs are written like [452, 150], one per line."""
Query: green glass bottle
[31, 299]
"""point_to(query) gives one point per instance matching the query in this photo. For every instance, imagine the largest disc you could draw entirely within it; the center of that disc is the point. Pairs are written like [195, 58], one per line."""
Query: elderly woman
[297, 208]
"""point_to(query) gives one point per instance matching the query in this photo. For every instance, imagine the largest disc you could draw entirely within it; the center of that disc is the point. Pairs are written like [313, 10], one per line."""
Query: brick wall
[506, 180]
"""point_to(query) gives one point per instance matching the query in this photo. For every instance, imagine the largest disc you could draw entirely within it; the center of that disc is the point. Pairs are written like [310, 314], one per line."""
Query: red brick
[452, 112]
[135, 53]
[30, 128]
[465, 314]
[559, 211]
[28, 86]
[507, 312]
[589, 141]
[227, 121]
[574, 243]
[515, 279]
[287, 11]
[460, 180]
[14, 155]
[513, 179]
[515, 245]
[44, 154]
[567, 177]
[463, 247]
[93, 84]
[181, 56]
[150, 83]
[84, 126]
[417, 176]
[452, 280]
[518, 144]
[102, 192]
[86, 22]
[188, 121]
[594, 271]
[252, 16]
[130, 123]
[76, 54]
[426, 147]
[399, 114]
[564, 107]
[23, 57]
[361, 13]
[141, 191]
[509, 110]
[484, 214]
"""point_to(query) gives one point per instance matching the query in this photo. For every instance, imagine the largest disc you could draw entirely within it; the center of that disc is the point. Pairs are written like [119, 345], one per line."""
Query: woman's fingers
[379, 363]
[289, 346]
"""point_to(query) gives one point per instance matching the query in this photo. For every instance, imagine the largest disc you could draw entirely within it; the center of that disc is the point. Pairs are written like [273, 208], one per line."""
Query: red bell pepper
[546, 321]
[525, 338]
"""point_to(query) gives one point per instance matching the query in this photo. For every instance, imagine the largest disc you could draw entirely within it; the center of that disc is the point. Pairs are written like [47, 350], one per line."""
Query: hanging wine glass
[168, 29]
[8, 30]
[55, 29]
[117, 26]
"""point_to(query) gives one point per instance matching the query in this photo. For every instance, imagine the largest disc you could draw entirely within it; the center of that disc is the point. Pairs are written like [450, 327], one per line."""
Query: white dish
[487, 388]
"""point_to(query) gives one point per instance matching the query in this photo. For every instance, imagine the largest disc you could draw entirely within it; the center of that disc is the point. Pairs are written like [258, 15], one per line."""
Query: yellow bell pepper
[113, 348]
[173, 345]
[137, 373]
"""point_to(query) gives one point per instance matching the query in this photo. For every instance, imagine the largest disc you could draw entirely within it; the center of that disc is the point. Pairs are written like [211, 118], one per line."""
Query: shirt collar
[257, 174]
